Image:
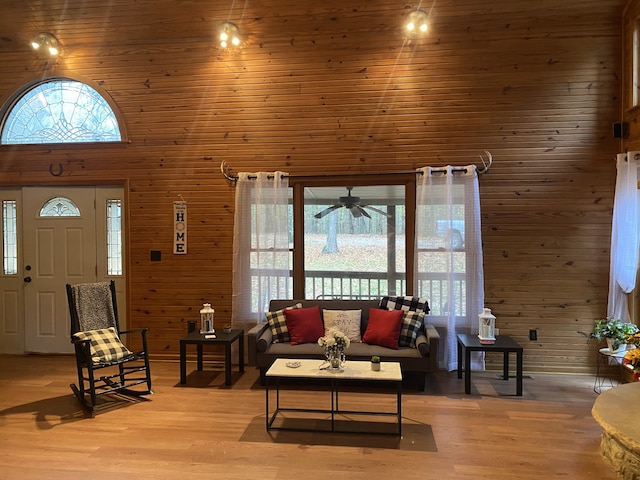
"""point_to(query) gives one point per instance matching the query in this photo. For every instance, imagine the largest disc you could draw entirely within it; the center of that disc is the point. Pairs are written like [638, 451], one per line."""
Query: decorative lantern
[486, 326]
[206, 319]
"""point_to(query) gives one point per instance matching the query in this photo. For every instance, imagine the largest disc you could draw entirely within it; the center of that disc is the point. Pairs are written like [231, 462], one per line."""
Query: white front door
[64, 240]
[59, 248]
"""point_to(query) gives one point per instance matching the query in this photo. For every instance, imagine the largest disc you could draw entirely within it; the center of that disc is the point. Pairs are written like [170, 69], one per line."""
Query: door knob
[27, 279]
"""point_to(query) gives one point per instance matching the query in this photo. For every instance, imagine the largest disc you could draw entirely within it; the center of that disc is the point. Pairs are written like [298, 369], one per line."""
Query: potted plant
[375, 363]
[614, 331]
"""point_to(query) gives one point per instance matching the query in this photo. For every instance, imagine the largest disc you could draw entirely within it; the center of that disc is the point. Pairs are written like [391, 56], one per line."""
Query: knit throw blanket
[94, 306]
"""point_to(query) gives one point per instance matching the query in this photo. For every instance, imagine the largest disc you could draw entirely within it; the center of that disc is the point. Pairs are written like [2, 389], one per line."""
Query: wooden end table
[504, 344]
[199, 339]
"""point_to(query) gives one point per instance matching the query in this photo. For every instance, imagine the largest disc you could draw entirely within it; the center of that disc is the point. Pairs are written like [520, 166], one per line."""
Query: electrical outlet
[533, 334]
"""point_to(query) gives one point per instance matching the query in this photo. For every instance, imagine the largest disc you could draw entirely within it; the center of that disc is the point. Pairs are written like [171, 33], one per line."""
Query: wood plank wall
[331, 86]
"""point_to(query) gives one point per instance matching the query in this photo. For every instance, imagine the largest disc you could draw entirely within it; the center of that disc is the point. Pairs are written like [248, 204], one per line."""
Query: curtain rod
[486, 164]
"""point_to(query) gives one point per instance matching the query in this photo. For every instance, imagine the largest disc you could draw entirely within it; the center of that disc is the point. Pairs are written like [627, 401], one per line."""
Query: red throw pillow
[304, 325]
[383, 328]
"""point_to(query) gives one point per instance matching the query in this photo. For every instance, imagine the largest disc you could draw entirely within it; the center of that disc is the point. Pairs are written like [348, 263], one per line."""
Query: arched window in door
[60, 207]
[59, 111]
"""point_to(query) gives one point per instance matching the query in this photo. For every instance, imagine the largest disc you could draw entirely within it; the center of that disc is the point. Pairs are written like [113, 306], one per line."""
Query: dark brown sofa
[420, 360]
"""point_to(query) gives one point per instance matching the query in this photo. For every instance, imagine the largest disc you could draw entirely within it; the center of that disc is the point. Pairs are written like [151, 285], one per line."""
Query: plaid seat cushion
[412, 323]
[278, 324]
[410, 303]
[105, 345]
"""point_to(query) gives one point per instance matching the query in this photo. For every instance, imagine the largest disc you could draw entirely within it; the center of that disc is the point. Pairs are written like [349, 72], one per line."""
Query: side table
[504, 344]
[199, 339]
[607, 357]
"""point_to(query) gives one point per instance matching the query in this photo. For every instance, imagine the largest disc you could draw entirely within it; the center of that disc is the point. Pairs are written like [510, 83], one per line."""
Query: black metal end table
[221, 338]
[504, 344]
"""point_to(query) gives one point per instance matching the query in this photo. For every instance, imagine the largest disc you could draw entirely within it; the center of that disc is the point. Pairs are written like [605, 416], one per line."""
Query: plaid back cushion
[105, 345]
[411, 325]
[410, 303]
[278, 324]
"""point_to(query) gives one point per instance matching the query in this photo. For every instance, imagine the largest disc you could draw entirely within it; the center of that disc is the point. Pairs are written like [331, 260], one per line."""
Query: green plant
[375, 359]
[615, 329]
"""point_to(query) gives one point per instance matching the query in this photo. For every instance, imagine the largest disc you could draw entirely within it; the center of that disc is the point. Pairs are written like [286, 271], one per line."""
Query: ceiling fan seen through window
[353, 205]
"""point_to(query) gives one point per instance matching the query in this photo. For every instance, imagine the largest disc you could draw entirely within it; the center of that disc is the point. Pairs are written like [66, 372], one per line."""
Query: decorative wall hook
[486, 163]
[226, 171]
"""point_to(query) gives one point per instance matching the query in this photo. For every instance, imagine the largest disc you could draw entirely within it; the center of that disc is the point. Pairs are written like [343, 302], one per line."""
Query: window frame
[298, 184]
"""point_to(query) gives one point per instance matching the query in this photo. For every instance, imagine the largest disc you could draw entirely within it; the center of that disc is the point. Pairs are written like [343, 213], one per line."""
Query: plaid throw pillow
[411, 325]
[105, 345]
[278, 324]
[410, 303]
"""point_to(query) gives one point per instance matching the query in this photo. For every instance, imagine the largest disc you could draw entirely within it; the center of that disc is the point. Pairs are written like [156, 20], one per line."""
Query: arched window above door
[59, 207]
[59, 111]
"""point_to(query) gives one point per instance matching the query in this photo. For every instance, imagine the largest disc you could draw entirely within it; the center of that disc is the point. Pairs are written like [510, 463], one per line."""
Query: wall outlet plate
[533, 334]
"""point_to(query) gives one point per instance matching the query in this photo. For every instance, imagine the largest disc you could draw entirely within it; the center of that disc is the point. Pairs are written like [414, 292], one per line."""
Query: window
[441, 257]
[635, 81]
[59, 207]
[114, 237]
[360, 242]
[9, 237]
[354, 241]
[60, 111]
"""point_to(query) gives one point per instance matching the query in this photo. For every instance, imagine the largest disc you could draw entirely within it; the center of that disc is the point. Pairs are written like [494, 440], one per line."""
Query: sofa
[416, 361]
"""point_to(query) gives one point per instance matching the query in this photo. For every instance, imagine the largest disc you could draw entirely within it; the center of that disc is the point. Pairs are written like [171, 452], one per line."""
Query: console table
[221, 338]
[503, 344]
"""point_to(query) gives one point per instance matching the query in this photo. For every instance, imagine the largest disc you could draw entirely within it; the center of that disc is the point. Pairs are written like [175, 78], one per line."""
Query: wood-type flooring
[206, 430]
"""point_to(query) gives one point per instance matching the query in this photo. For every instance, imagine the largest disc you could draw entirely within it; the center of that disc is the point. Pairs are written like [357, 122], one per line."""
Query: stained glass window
[9, 237]
[59, 207]
[114, 237]
[60, 111]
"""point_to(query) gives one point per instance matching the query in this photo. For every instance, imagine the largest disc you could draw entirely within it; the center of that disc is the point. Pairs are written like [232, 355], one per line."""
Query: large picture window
[354, 241]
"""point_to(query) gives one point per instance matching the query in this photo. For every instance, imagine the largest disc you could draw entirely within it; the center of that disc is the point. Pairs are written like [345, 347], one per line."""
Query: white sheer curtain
[261, 258]
[624, 236]
[451, 278]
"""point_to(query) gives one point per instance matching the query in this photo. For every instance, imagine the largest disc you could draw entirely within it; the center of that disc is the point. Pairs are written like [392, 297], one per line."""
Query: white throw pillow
[347, 321]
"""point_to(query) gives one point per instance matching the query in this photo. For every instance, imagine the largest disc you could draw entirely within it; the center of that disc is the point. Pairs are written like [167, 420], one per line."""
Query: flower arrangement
[334, 339]
[632, 357]
[615, 329]
[334, 343]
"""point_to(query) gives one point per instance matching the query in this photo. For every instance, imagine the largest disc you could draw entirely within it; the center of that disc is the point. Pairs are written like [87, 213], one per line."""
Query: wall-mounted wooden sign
[180, 228]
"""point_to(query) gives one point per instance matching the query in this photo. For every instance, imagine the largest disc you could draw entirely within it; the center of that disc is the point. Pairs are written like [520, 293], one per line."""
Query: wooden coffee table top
[352, 370]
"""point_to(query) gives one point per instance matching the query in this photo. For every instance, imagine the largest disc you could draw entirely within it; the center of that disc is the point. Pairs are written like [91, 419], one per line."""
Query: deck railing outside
[370, 285]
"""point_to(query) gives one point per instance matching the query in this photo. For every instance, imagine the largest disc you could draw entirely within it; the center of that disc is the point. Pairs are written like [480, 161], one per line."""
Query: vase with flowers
[632, 356]
[334, 343]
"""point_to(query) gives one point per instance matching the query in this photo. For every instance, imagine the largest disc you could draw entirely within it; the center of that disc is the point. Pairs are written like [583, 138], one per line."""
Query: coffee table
[353, 371]
[199, 339]
[504, 344]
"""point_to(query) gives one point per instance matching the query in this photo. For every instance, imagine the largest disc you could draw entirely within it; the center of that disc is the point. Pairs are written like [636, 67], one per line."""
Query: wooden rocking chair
[105, 365]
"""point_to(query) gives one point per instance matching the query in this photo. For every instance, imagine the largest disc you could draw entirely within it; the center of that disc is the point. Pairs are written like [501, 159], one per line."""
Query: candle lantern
[206, 319]
[487, 327]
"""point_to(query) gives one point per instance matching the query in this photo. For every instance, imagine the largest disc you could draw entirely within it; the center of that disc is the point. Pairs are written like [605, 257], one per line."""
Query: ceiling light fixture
[228, 35]
[46, 42]
[416, 24]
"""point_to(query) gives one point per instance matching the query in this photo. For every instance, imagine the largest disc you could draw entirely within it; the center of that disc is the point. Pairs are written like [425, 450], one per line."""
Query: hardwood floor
[206, 430]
